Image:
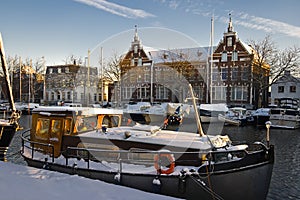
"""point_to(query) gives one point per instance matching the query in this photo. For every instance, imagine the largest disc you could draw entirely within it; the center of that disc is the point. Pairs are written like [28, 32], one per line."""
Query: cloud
[116, 9]
[267, 25]
[208, 8]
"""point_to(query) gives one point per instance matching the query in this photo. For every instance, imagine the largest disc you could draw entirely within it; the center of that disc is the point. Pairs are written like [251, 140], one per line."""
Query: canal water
[285, 183]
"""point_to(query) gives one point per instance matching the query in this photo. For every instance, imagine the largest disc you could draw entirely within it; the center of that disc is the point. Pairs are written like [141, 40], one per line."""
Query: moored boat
[210, 112]
[8, 125]
[90, 142]
[286, 115]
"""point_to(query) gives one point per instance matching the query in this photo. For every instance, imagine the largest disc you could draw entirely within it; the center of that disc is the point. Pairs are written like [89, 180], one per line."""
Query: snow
[18, 182]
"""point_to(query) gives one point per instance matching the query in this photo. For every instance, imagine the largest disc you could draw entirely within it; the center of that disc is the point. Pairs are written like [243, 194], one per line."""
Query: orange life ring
[157, 159]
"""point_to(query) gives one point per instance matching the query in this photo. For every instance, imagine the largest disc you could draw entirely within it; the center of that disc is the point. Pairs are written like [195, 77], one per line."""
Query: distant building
[233, 72]
[287, 86]
[71, 83]
[163, 75]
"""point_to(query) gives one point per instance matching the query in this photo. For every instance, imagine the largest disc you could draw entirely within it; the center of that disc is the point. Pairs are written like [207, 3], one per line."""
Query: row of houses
[226, 73]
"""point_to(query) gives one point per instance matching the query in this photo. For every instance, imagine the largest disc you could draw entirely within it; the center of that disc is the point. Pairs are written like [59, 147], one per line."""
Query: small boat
[286, 115]
[8, 123]
[261, 116]
[234, 116]
[90, 142]
[210, 112]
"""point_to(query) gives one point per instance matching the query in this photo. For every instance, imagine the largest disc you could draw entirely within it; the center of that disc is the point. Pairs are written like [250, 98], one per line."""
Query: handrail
[32, 145]
[89, 155]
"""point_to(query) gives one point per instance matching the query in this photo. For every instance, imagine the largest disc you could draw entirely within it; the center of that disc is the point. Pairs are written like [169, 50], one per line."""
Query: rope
[209, 190]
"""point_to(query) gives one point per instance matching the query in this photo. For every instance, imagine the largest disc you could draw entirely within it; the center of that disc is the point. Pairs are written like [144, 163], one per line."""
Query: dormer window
[140, 63]
[229, 41]
[135, 49]
[224, 56]
[132, 62]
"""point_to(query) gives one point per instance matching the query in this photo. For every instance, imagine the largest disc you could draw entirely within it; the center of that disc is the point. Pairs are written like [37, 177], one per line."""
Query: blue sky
[57, 29]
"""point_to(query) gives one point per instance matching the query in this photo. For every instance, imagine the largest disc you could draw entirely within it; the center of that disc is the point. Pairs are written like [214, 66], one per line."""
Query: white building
[72, 83]
[288, 86]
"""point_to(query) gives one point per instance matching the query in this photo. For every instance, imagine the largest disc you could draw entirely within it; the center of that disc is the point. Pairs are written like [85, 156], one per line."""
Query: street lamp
[268, 125]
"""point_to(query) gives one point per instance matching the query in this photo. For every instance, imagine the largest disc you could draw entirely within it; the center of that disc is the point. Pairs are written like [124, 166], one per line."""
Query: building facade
[162, 75]
[227, 75]
[71, 83]
[233, 73]
[287, 86]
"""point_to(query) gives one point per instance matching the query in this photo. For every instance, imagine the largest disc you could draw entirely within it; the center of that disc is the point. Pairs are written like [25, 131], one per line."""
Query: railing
[35, 146]
[135, 156]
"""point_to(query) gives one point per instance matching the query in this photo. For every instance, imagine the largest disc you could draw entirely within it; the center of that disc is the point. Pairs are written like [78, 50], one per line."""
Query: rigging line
[207, 189]
[209, 182]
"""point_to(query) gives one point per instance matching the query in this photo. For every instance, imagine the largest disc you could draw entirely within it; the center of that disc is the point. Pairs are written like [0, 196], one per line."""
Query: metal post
[268, 125]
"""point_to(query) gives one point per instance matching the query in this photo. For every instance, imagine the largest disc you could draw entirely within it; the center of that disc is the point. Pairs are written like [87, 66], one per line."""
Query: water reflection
[286, 174]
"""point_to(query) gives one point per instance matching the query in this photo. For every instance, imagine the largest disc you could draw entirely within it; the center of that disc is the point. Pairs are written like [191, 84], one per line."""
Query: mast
[14, 115]
[199, 127]
[211, 57]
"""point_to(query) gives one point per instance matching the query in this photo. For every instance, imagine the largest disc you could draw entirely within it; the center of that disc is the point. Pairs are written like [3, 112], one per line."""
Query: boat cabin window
[68, 126]
[55, 130]
[84, 123]
[41, 131]
[110, 121]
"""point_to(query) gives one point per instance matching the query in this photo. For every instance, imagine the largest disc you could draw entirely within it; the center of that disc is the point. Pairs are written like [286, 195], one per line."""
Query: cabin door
[55, 135]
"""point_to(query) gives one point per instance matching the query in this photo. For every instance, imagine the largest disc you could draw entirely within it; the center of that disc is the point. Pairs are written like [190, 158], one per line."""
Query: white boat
[234, 116]
[261, 116]
[286, 115]
[210, 112]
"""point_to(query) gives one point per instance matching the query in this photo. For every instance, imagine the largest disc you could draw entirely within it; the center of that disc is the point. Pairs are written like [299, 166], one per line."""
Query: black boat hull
[245, 183]
[7, 133]
[241, 182]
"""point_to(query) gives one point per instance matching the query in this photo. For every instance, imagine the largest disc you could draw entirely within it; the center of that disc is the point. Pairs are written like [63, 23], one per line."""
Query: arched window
[235, 55]
[224, 56]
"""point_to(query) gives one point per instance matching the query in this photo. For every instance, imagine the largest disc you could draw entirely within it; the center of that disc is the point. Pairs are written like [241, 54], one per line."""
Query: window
[224, 73]
[140, 63]
[224, 56]
[229, 41]
[52, 96]
[161, 92]
[147, 76]
[127, 92]
[143, 93]
[280, 89]
[239, 93]
[58, 96]
[292, 88]
[41, 131]
[219, 93]
[135, 48]
[55, 130]
[244, 73]
[234, 55]
[215, 74]
[234, 73]
[68, 125]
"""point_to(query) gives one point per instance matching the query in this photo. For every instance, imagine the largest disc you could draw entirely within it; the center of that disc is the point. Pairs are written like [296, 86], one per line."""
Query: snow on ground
[19, 182]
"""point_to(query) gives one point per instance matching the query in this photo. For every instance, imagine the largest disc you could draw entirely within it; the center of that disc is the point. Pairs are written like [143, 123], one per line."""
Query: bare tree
[112, 71]
[270, 63]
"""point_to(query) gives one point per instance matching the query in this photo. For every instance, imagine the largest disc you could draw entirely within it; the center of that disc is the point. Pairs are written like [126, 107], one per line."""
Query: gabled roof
[287, 77]
[184, 54]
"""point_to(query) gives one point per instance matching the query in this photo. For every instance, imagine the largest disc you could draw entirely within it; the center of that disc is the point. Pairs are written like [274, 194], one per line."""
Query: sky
[59, 29]
[21, 182]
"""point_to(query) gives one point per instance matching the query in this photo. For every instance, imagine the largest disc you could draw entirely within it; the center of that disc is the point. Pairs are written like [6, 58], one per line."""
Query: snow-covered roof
[84, 110]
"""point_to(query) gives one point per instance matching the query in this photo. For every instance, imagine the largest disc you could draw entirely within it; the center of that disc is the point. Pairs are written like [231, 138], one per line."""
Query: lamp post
[268, 125]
